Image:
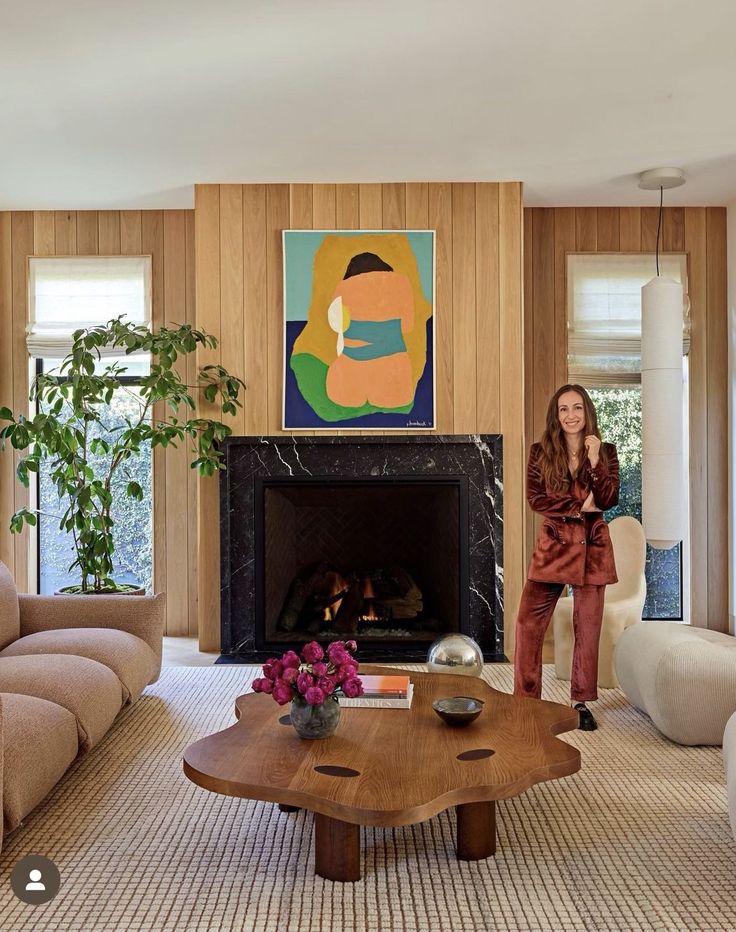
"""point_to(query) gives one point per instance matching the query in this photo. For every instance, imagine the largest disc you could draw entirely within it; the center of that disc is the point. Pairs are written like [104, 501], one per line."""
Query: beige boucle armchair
[68, 665]
[624, 602]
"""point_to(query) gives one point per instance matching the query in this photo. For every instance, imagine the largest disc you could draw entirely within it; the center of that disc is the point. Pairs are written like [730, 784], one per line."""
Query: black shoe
[587, 722]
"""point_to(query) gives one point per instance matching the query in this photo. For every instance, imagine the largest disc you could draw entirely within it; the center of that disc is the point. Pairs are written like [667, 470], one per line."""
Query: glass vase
[314, 721]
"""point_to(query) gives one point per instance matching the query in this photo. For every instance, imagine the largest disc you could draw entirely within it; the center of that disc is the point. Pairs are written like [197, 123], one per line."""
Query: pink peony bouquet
[315, 676]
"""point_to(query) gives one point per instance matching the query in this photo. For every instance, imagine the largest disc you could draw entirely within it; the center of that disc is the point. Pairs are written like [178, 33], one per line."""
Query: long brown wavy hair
[553, 460]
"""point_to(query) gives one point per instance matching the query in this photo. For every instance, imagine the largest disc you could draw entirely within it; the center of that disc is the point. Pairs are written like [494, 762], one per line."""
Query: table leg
[476, 831]
[336, 849]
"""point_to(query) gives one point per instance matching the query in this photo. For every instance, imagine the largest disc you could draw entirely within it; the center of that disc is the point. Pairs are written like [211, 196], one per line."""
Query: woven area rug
[639, 839]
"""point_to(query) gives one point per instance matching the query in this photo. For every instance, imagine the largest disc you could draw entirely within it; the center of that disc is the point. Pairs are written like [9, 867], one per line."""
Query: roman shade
[70, 292]
[604, 315]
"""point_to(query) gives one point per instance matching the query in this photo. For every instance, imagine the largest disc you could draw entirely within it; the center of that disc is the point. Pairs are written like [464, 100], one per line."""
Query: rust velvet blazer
[573, 547]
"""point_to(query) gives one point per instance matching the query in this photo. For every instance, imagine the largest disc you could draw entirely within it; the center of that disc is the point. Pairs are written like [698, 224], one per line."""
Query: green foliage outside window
[619, 420]
[132, 518]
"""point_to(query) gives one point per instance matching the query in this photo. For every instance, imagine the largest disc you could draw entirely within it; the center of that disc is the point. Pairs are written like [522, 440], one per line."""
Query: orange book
[384, 686]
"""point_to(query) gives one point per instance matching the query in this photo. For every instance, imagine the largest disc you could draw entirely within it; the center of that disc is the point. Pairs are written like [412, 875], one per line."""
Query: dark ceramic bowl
[458, 711]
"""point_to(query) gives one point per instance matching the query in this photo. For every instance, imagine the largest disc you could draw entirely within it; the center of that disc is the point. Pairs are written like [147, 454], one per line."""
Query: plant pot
[314, 721]
[74, 590]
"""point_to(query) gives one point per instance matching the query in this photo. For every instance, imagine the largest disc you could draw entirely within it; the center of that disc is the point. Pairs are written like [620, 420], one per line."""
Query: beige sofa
[68, 665]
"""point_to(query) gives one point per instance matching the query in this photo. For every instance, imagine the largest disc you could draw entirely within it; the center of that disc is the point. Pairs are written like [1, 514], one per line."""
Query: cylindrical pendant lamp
[663, 487]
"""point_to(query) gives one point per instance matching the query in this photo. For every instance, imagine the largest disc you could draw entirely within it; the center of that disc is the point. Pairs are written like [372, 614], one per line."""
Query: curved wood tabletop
[407, 764]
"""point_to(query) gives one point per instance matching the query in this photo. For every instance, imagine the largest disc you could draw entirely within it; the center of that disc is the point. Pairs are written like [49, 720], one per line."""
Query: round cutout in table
[476, 754]
[329, 770]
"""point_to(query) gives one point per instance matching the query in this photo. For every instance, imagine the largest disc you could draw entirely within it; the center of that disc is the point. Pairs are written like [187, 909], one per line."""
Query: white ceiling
[111, 105]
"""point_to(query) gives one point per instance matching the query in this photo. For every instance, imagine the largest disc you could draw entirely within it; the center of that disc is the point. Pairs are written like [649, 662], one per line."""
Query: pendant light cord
[659, 224]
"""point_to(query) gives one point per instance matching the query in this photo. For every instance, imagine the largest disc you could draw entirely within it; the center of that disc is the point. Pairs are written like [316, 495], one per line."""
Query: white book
[370, 702]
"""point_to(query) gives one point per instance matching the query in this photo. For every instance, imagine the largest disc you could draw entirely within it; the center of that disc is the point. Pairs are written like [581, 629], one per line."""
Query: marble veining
[478, 457]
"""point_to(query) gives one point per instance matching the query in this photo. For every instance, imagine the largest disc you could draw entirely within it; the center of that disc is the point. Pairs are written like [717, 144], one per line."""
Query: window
[66, 294]
[604, 350]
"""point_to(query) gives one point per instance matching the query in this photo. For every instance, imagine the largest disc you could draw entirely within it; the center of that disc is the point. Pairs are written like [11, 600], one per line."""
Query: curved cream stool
[684, 678]
[624, 602]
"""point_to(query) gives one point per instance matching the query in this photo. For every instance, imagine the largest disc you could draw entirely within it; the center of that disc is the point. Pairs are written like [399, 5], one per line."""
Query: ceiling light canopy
[657, 178]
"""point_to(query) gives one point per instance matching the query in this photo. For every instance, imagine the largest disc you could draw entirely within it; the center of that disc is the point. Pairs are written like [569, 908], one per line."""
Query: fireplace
[392, 541]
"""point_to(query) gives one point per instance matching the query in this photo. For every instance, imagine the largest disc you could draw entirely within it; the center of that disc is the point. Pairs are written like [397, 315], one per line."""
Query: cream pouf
[684, 678]
[729, 759]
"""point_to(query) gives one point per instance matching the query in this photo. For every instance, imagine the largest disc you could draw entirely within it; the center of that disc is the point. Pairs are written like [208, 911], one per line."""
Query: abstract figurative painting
[358, 329]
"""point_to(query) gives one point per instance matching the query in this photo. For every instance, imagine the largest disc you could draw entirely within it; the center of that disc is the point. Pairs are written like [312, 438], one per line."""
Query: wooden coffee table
[390, 766]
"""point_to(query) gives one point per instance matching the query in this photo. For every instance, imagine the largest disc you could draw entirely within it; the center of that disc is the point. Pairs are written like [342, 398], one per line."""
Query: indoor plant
[68, 429]
[312, 683]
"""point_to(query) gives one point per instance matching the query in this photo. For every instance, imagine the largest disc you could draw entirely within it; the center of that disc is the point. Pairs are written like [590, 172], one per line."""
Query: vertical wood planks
[464, 347]
[324, 207]
[44, 233]
[207, 257]
[232, 350]
[717, 350]
[152, 243]
[673, 222]
[607, 229]
[131, 224]
[371, 206]
[277, 219]
[700, 584]
[174, 463]
[192, 486]
[347, 206]
[564, 244]
[417, 206]
[65, 232]
[629, 227]
[88, 233]
[586, 229]
[511, 378]
[543, 331]
[256, 296]
[649, 222]
[440, 220]
[108, 232]
[394, 206]
[528, 362]
[487, 337]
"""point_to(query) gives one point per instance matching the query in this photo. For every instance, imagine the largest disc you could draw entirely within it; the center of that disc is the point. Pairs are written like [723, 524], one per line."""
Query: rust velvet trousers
[537, 604]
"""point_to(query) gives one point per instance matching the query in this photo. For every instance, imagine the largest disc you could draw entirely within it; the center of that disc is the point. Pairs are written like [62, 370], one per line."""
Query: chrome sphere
[455, 653]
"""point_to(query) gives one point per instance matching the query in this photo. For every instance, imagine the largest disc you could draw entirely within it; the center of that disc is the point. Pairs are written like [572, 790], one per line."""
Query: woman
[571, 479]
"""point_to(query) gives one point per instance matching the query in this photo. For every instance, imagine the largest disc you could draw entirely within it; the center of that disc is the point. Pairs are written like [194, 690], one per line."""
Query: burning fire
[337, 586]
[369, 594]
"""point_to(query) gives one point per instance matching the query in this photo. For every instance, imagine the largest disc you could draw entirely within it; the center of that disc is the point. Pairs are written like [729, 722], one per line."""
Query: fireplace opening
[383, 559]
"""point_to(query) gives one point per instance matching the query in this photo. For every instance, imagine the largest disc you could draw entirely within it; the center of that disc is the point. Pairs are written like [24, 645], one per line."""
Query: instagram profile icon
[35, 880]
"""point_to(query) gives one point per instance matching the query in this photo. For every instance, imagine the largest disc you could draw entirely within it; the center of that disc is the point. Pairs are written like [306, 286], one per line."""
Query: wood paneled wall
[479, 364]
[551, 233]
[167, 236]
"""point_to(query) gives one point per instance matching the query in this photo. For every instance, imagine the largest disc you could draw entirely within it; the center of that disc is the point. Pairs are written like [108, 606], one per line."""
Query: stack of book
[382, 692]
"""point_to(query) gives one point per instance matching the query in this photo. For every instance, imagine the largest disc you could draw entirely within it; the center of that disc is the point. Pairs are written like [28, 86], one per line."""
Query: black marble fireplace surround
[457, 488]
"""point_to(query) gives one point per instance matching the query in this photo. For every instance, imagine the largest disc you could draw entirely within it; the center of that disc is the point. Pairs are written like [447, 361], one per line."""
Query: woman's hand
[589, 504]
[592, 446]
